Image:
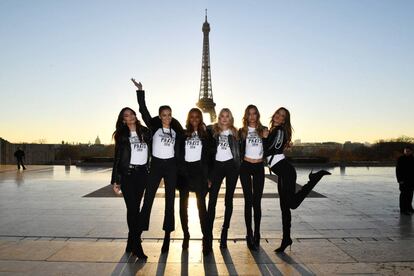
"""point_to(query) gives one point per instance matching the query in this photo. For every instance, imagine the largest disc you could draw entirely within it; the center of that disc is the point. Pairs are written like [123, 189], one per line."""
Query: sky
[344, 69]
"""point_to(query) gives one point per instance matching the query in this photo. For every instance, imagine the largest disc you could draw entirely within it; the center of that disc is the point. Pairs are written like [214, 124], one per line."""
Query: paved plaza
[57, 220]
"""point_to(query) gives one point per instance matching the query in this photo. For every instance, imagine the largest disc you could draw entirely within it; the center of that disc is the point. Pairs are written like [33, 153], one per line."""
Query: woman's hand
[137, 84]
[116, 188]
[265, 132]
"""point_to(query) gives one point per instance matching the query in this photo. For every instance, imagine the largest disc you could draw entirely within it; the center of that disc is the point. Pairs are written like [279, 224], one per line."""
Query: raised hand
[137, 84]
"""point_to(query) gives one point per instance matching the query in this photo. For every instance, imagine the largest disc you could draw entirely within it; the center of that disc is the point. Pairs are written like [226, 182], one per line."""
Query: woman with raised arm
[226, 155]
[195, 167]
[130, 172]
[252, 171]
[165, 151]
[278, 140]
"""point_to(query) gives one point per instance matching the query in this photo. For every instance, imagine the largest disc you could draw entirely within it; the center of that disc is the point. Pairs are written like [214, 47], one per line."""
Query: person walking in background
[130, 172]
[252, 171]
[279, 139]
[166, 131]
[20, 157]
[405, 178]
[225, 153]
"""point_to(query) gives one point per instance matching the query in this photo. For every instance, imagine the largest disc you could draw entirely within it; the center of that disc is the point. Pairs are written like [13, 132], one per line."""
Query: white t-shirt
[163, 143]
[193, 148]
[223, 148]
[254, 144]
[139, 150]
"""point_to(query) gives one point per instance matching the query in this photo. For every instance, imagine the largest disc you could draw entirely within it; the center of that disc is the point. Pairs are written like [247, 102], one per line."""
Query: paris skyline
[343, 69]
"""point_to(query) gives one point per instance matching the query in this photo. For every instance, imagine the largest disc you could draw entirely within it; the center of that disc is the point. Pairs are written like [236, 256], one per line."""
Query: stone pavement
[49, 227]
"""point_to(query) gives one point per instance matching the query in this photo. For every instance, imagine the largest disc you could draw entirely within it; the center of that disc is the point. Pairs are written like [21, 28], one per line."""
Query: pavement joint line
[96, 239]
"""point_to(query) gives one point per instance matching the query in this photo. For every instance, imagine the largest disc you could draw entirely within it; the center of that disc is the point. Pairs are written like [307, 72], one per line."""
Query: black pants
[20, 163]
[406, 197]
[195, 181]
[228, 170]
[167, 169]
[252, 181]
[288, 197]
[133, 185]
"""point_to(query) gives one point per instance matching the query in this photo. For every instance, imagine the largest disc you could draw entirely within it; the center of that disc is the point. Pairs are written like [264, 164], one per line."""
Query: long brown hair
[287, 126]
[259, 126]
[121, 129]
[217, 128]
[201, 128]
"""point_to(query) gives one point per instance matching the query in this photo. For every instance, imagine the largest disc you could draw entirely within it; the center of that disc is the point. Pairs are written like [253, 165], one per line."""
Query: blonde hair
[217, 127]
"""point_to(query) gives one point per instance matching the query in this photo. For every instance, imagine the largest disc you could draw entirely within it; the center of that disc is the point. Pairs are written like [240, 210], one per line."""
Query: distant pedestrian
[405, 178]
[19, 154]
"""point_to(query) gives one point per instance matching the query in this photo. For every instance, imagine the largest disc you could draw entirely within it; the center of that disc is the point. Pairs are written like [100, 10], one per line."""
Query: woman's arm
[116, 177]
[146, 116]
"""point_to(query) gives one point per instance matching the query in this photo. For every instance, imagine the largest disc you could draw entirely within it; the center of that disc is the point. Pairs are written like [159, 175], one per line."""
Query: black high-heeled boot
[285, 243]
[129, 246]
[166, 244]
[250, 242]
[207, 247]
[315, 177]
[139, 252]
[223, 238]
[186, 240]
[256, 239]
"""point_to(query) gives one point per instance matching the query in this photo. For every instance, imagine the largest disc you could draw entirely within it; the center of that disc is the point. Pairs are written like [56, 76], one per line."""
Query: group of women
[198, 159]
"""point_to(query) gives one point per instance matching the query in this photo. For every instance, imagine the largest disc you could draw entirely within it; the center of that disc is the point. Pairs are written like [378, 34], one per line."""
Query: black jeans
[406, 197]
[20, 163]
[288, 197]
[252, 181]
[197, 182]
[167, 169]
[228, 170]
[133, 185]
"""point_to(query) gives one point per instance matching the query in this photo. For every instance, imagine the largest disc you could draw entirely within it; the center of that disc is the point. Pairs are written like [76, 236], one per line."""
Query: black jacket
[275, 142]
[405, 169]
[234, 144]
[155, 123]
[123, 154]
[205, 152]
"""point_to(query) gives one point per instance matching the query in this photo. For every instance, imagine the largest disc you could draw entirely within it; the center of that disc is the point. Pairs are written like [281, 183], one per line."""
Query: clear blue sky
[344, 68]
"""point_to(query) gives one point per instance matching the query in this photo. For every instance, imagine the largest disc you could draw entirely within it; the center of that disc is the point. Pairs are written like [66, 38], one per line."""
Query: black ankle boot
[186, 240]
[166, 244]
[315, 177]
[223, 238]
[256, 239]
[285, 243]
[207, 247]
[250, 242]
[139, 252]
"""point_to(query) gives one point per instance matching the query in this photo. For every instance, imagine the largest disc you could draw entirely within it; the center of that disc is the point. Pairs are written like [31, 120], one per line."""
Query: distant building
[349, 146]
[297, 142]
[98, 141]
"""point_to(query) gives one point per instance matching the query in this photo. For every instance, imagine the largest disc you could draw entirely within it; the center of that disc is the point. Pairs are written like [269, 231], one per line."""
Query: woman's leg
[130, 195]
[232, 174]
[246, 183]
[258, 185]
[170, 180]
[154, 180]
[184, 195]
[218, 176]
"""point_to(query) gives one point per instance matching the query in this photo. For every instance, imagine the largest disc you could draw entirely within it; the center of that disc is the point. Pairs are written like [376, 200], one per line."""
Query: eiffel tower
[205, 99]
